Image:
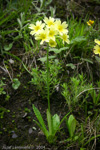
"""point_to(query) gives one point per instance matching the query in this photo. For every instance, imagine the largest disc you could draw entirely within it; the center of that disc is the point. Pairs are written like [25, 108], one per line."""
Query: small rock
[40, 133]
[30, 130]
[14, 136]
[11, 61]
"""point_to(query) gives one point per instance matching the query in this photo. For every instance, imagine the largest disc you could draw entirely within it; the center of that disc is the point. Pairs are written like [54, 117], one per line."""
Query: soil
[18, 128]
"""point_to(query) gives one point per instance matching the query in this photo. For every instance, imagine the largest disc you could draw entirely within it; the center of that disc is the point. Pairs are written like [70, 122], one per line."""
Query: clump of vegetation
[49, 65]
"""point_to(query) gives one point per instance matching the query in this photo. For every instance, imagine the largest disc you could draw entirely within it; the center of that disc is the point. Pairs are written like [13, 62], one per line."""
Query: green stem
[48, 94]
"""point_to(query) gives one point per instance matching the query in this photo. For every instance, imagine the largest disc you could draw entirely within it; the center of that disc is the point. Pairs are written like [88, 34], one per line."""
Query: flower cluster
[49, 30]
[90, 22]
[97, 47]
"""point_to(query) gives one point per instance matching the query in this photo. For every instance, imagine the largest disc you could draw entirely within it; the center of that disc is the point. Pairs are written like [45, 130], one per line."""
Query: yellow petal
[97, 41]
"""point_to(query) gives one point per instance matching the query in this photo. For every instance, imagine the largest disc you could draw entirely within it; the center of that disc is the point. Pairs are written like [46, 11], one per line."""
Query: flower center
[37, 28]
[60, 28]
[43, 36]
[50, 23]
[51, 33]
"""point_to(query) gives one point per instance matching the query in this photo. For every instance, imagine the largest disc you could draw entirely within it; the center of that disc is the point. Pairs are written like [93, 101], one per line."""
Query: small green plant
[42, 7]
[2, 84]
[16, 83]
[53, 124]
[95, 93]
[80, 40]
[79, 135]
[2, 111]
[39, 78]
[71, 126]
[9, 27]
[73, 91]
[3, 90]
[27, 110]
[86, 137]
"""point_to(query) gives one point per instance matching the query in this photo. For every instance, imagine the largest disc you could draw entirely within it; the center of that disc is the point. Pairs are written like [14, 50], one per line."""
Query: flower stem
[48, 94]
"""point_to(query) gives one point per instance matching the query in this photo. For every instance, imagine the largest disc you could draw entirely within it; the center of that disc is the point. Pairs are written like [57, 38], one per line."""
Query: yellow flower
[43, 36]
[62, 28]
[49, 30]
[52, 43]
[36, 28]
[65, 38]
[90, 22]
[97, 41]
[49, 21]
[97, 49]
[52, 33]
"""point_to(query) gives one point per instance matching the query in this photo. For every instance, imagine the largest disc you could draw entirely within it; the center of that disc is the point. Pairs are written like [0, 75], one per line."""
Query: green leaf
[16, 83]
[48, 2]
[43, 59]
[63, 48]
[64, 118]
[20, 23]
[55, 123]
[97, 58]
[76, 138]
[53, 10]
[78, 39]
[8, 47]
[71, 65]
[55, 50]
[39, 126]
[49, 122]
[22, 17]
[40, 119]
[6, 17]
[8, 32]
[71, 124]
[42, 3]
[37, 8]
[88, 60]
